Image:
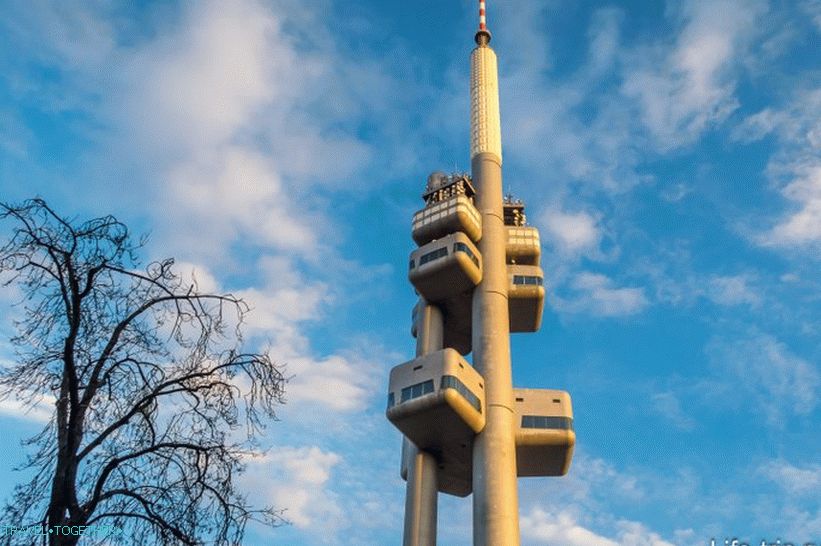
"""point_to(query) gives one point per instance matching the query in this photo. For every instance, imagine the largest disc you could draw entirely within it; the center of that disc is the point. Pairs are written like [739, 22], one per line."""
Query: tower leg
[421, 497]
[495, 494]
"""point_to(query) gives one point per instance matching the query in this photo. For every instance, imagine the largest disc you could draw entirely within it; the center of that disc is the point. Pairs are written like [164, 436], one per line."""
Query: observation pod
[437, 401]
[523, 245]
[525, 297]
[448, 208]
[445, 268]
[544, 432]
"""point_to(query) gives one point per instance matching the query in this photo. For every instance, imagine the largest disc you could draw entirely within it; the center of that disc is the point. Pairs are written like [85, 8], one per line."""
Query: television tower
[467, 430]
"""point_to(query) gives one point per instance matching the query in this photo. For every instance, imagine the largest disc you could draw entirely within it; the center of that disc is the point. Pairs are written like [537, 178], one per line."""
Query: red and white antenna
[483, 35]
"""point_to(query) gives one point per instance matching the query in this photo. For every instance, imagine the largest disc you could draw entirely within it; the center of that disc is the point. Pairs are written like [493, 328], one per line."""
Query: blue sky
[670, 154]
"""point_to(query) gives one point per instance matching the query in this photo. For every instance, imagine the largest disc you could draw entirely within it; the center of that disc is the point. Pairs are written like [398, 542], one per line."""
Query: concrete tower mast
[495, 495]
[467, 430]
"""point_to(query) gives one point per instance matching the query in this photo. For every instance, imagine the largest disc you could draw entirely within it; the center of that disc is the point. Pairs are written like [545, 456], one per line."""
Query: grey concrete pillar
[495, 493]
[421, 497]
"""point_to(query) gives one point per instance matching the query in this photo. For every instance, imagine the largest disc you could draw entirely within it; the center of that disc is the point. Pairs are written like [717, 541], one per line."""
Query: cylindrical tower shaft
[422, 488]
[420, 499]
[429, 328]
[495, 495]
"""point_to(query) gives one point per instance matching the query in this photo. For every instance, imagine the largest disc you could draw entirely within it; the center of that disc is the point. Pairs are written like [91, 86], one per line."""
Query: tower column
[421, 497]
[495, 494]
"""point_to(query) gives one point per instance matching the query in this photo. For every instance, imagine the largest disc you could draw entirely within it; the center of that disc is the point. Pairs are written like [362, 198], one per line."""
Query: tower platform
[437, 401]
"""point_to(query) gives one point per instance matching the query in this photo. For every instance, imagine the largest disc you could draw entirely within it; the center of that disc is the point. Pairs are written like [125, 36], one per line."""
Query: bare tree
[148, 380]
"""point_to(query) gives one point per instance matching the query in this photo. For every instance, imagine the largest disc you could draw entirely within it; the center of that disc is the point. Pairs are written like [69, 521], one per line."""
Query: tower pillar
[495, 493]
[420, 499]
[421, 496]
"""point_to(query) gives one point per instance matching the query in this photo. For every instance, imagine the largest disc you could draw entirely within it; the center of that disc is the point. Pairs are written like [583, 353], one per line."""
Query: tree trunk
[63, 511]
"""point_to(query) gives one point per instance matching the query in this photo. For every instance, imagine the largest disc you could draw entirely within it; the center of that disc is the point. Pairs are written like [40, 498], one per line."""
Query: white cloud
[676, 192]
[796, 123]
[668, 404]
[198, 274]
[794, 480]
[76, 35]
[597, 148]
[632, 533]
[675, 88]
[235, 194]
[339, 382]
[15, 137]
[672, 91]
[344, 381]
[794, 503]
[571, 232]
[593, 473]
[39, 412]
[197, 101]
[596, 294]
[561, 528]
[579, 510]
[683, 92]
[803, 226]
[592, 486]
[28, 405]
[201, 81]
[310, 466]
[758, 125]
[277, 311]
[604, 35]
[218, 118]
[813, 9]
[296, 478]
[732, 290]
[794, 168]
[771, 379]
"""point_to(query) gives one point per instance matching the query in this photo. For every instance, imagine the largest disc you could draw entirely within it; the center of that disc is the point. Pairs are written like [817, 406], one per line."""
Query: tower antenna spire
[483, 34]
